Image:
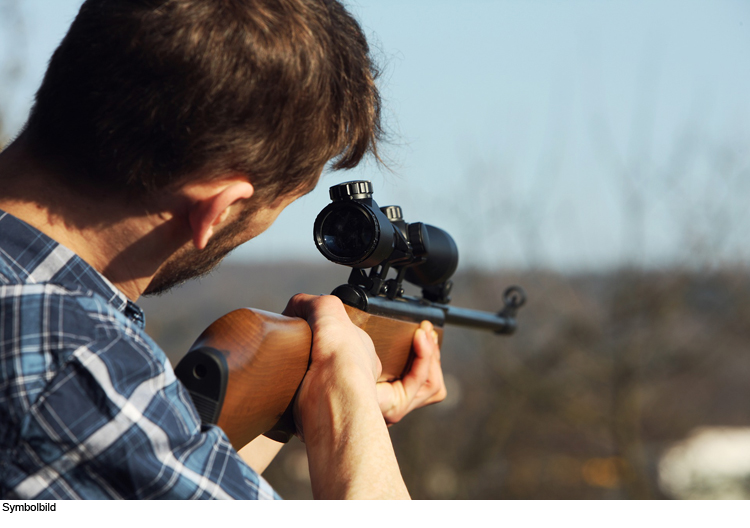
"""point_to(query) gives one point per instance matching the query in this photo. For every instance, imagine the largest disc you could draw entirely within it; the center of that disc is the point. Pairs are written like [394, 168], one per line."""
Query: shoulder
[46, 328]
[93, 383]
[59, 318]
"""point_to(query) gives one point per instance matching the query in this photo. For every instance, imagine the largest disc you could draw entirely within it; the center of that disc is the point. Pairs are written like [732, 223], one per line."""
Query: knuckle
[298, 298]
[391, 419]
[378, 367]
[364, 336]
[328, 302]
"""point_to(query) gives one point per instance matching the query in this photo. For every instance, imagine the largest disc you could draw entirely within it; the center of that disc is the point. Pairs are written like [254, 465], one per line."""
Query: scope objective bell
[352, 230]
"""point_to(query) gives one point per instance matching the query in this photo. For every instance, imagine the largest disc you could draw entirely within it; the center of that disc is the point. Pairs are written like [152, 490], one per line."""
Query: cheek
[263, 219]
[260, 225]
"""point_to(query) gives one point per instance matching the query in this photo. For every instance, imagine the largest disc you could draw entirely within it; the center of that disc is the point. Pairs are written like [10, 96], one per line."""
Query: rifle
[243, 372]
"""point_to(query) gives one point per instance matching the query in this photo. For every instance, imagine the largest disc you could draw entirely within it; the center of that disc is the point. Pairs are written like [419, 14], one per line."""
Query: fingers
[422, 385]
[333, 331]
[312, 307]
[424, 354]
[428, 351]
[334, 335]
[342, 358]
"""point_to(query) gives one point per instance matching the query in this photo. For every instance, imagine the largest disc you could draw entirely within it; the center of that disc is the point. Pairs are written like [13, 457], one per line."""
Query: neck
[125, 242]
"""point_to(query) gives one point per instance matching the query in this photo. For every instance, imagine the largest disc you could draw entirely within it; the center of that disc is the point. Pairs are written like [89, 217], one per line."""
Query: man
[166, 133]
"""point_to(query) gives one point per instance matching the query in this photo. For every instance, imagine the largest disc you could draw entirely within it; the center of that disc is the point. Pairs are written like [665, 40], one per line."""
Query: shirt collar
[36, 258]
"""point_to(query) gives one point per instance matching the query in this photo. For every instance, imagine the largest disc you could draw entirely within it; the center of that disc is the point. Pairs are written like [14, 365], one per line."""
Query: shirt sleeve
[114, 422]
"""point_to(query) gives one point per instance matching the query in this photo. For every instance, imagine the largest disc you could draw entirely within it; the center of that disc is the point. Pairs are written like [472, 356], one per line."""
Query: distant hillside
[604, 373]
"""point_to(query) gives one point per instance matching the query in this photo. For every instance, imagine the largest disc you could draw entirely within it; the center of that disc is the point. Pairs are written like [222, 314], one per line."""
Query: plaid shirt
[89, 405]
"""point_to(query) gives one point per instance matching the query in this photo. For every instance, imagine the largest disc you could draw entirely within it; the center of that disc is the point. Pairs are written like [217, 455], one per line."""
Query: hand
[335, 337]
[348, 446]
[341, 352]
[422, 385]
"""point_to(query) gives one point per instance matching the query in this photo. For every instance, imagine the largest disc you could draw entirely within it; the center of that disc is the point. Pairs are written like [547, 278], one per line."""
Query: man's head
[142, 94]
[145, 97]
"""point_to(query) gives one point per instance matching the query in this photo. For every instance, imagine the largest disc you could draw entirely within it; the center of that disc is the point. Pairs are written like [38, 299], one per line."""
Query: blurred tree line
[604, 373]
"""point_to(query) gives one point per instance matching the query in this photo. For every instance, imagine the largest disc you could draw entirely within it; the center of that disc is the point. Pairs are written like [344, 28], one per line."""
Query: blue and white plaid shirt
[89, 404]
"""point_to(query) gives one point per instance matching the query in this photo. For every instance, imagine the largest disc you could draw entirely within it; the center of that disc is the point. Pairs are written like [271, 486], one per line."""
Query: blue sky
[570, 134]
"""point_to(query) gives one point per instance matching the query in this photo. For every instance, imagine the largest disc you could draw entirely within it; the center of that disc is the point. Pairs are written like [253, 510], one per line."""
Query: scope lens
[347, 233]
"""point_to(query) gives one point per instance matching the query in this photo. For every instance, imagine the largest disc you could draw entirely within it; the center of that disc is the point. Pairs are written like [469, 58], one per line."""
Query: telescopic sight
[347, 233]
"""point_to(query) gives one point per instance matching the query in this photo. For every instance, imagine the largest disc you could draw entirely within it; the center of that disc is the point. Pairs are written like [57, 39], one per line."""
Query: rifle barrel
[498, 323]
[413, 309]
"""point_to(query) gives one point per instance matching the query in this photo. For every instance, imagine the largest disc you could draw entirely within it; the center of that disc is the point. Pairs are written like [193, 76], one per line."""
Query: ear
[212, 204]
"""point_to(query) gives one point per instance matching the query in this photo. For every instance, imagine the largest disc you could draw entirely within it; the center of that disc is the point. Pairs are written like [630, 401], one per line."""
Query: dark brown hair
[142, 93]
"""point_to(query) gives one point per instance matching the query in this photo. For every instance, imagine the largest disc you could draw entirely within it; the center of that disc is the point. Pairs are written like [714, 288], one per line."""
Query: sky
[563, 134]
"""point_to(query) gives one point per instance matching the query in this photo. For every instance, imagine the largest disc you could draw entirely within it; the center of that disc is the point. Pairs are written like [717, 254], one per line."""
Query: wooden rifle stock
[244, 370]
